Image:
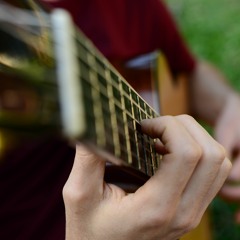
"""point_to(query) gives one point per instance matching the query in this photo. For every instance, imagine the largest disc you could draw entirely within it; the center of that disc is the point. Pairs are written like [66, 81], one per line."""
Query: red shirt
[125, 29]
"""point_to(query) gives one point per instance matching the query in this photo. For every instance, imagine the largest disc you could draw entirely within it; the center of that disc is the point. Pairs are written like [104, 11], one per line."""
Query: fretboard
[114, 110]
[69, 83]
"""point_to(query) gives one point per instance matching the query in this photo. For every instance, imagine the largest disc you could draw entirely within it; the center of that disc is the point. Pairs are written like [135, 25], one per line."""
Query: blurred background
[212, 30]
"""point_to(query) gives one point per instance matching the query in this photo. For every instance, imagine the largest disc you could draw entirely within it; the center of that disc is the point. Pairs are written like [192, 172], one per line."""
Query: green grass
[212, 30]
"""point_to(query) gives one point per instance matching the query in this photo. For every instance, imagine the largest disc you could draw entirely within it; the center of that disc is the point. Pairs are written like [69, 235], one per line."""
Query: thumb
[87, 175]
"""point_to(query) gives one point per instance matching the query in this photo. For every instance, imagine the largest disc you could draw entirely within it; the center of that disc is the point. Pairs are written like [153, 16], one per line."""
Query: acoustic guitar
[54, 80]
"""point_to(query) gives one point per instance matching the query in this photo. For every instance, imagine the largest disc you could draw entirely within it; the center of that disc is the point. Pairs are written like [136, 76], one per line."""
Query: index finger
[177, 165]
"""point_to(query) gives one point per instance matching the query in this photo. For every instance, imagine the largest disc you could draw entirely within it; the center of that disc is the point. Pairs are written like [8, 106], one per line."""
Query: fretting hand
[168, 205]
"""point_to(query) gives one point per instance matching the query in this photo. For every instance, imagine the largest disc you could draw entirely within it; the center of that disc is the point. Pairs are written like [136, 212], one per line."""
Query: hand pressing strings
[192, 171]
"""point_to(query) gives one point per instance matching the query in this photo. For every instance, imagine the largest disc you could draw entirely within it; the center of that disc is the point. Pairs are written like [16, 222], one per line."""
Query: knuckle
[217, 154]
[170, 119]
[187, 118]
[187, 224]
[192, 153]
[72, 195]
[227, 166]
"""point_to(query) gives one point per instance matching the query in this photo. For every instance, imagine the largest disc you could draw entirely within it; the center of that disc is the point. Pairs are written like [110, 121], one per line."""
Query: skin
[193, 169]
[214, 101]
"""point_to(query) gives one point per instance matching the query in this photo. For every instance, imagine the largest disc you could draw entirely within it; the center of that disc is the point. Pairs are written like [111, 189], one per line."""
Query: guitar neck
[114, 110]
[96, 105]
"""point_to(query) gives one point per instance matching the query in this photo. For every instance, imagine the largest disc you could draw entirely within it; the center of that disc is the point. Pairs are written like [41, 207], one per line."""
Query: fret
[126, 127]
[88, 104]
[116, 140]
[121, 118]
[143, 115]
[142, 153]
[100, 66]
[135, 97]
[142, 104]
[128, 105]
[132, 141]
[155, 157]
[117, 95]
[149, 111]
[89, 75]
[114, 77]
[82, 51]
[123, 138]
[107, 119]
[133, 116]
[102, 84]
[136, 112]
[138, 142]
[136, 106]
[125, 88]
[133, 123]
[99, 125]
[149, 157]
[146, 155]
[85, 69]
[99, 115]
[101, 137]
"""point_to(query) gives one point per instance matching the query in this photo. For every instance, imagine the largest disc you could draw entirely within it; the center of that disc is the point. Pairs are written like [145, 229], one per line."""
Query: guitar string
[151, 151]
[142, 105]
[135, 106]
[117, 105]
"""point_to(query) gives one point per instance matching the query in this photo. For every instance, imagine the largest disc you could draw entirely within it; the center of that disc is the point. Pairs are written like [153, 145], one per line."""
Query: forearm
[209, 92]
[215, 102]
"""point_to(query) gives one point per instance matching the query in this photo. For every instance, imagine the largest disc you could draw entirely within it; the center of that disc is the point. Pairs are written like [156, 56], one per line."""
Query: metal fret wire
[125, 107]
[97, 106]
